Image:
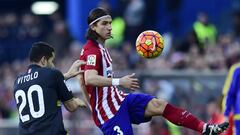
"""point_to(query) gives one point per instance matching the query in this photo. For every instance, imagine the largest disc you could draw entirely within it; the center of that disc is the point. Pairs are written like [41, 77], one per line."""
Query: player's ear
[43, 61]
[92, 27]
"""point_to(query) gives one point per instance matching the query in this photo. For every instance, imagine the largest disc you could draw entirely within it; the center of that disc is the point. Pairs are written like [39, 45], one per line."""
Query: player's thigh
[155, 107]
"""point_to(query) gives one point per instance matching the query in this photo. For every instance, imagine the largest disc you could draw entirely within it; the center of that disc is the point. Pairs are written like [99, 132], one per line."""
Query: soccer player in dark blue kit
[40, 91]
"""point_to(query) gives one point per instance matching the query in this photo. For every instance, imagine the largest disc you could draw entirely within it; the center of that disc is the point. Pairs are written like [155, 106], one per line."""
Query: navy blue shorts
[131, 112]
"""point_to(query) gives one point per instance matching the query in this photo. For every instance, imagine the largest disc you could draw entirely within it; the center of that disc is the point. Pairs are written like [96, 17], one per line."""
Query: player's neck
[37, 63]
[101, 41]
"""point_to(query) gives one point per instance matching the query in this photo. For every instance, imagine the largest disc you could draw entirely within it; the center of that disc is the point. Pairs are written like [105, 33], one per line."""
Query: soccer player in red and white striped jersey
[114, 111]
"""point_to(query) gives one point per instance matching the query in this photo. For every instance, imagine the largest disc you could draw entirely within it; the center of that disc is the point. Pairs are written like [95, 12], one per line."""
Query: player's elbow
[70, 105]
[71, 109]
[89, 80]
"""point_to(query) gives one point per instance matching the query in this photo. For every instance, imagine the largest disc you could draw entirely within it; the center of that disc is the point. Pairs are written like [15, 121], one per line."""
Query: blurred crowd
[202, 49]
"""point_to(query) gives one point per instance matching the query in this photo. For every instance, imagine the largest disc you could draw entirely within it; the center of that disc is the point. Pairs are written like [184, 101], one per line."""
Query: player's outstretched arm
[74, 69]
[93, 79]
[73, 104]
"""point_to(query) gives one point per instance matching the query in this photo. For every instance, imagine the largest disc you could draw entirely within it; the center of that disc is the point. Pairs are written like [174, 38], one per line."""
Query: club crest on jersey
[91, 60]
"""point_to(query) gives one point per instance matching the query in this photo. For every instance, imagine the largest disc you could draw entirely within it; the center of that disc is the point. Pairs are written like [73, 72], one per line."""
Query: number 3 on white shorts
[118, 130]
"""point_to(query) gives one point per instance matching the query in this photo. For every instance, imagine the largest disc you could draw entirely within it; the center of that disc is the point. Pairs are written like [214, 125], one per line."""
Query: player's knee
[155, 107]
[159, 104]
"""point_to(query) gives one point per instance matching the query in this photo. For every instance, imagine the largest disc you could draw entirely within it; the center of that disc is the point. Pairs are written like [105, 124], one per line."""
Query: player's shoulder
[40, 75]
[235, 69]
[91, 45]
[51, 71]
[235, 66]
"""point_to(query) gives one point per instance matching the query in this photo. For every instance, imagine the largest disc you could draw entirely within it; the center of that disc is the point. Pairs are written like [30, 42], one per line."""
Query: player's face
[50, 61]
[104, 28]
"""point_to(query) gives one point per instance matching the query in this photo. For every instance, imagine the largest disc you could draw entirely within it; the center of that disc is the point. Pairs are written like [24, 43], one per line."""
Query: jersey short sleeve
[63, 93]
[93, 59]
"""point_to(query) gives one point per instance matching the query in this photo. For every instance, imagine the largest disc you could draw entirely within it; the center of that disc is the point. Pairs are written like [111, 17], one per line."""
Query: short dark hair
[93, 15]
[40, 49]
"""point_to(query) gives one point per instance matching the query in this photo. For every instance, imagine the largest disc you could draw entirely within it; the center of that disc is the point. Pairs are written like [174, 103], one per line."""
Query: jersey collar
[34, 66]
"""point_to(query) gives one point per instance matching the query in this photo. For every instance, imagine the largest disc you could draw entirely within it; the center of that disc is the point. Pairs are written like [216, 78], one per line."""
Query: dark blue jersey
[38, 93]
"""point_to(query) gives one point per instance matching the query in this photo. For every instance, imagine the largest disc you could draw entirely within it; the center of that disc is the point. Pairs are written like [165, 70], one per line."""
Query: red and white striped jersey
[105, 101]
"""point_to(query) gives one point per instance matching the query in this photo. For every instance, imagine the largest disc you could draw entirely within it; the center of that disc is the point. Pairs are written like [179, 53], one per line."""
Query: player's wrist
[66, 76]
[115, 81]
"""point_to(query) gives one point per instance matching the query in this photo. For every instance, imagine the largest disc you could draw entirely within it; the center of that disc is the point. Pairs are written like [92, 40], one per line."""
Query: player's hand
[129, 82]
[74, 69]
[80, 103]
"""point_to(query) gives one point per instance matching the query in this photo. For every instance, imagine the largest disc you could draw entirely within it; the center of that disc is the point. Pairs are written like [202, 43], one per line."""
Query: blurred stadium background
[190, 73]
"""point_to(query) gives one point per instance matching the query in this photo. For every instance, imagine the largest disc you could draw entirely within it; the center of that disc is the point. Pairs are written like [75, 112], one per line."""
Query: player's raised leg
[181, 117]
